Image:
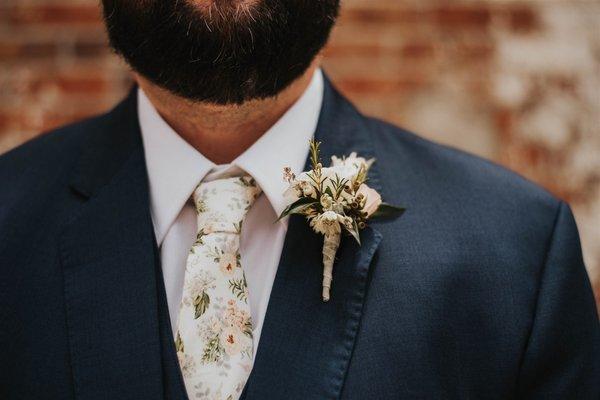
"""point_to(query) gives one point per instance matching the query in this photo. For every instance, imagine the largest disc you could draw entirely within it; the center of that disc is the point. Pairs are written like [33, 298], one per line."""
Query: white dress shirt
[175, 168]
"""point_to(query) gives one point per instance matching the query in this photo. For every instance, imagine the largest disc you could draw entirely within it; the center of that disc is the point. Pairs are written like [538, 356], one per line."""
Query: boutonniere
[335, 199]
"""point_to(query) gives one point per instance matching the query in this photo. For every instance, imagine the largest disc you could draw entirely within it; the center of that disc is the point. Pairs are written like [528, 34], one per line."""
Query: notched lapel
[306, 344]
[109, 274]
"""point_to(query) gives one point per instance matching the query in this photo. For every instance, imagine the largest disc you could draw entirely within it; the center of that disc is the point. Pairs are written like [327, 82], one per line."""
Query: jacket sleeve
[562, 357]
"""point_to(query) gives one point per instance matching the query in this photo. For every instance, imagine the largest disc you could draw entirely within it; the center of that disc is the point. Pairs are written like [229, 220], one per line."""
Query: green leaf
[297, 207]
[388, 211]
[238, 226]
[199, 236]
[361, 177]
[179, 344]
[238, 288]
[212, 350]
[340, 187]
[201, 303]
[314, 152]
[355, 232]
[248, 329]
[329, 192]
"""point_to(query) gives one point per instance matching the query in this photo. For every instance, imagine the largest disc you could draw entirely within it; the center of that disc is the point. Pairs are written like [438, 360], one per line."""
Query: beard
[220, 51]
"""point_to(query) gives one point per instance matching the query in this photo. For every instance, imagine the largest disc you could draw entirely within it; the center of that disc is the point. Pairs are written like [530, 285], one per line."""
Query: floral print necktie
[214, 329]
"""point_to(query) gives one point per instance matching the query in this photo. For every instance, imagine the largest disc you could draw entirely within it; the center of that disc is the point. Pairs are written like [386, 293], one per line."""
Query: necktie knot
[222, 204]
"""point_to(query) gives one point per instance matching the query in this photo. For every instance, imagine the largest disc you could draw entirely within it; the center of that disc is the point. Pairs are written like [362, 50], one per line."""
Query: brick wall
[514, 81]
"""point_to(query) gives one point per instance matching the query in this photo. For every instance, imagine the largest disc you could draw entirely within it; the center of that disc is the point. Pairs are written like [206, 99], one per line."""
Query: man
[127, 272]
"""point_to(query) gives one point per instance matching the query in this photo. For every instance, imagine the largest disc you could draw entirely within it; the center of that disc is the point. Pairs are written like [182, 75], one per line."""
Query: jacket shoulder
[49, 147]
[458, 174]
[41, 166]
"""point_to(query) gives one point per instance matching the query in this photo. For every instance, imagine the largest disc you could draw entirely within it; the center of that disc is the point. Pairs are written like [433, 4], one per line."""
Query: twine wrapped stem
[330, 247]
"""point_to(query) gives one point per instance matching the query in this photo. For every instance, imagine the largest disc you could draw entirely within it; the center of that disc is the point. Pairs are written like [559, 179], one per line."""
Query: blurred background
[517, 82]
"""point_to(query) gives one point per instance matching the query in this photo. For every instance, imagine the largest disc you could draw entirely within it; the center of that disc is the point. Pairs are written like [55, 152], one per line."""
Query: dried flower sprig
[335, 199]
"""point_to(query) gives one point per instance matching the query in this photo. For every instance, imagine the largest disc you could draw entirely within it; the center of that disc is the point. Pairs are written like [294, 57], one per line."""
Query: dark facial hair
[220, 51]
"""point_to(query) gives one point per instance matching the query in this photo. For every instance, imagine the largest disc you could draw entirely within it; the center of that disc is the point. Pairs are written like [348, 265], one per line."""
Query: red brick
[453, 16]
[5, 118]
[380, 16]
[13, 50]
[353, 50]
[523, 19]
[8, 50]
[408, 50]
[90, 84]
[90, 48]
[418, 50]
[364, 85]
[475, 51]
[55, 14]
[462, 16]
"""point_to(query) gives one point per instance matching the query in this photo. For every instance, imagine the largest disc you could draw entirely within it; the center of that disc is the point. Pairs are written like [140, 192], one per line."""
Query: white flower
[210, 329]
[214, 327]
[200, 282]
[187, 364]
[373, 199]
[235, 317]
[301, 186]
[288, 175]
[346, 172]
[228, 263]
[230, 340]
[292, 194]
[326, 202]
[352, 160]
[308, 190]
[328, 223]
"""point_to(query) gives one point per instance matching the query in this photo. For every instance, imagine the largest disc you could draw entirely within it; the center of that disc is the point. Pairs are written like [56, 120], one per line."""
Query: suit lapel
[109, 268]
[306, 344]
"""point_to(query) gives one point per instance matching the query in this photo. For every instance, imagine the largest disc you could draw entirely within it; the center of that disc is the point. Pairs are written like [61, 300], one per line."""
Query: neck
[223, 132]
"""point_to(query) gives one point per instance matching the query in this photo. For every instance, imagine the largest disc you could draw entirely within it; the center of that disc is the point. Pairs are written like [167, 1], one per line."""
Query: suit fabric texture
[478, 291]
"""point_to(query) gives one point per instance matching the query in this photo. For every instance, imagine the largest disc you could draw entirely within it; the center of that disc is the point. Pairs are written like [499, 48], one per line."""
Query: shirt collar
[175, 168]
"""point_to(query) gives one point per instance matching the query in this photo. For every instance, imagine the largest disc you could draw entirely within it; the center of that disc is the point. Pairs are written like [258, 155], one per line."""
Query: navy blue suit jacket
[478, 291]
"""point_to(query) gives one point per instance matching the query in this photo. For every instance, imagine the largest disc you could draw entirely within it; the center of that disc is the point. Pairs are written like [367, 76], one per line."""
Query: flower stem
[330, 246]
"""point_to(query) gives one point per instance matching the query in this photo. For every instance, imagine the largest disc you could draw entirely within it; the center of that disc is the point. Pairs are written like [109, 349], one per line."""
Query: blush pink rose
[373, 199]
